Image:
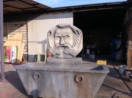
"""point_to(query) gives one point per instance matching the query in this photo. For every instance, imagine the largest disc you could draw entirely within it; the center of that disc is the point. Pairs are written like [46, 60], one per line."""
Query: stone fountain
[64, 75]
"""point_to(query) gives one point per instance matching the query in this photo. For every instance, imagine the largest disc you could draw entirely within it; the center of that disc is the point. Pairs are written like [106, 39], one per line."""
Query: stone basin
[49, 80]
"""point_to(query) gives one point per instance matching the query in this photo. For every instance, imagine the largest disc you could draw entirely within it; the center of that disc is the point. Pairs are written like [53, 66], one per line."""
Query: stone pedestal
[62, 80]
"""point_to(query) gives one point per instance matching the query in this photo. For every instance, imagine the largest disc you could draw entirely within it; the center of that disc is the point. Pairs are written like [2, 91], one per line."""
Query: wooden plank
[21, 52]
[129, 53]
[130, 59]
[24, 59]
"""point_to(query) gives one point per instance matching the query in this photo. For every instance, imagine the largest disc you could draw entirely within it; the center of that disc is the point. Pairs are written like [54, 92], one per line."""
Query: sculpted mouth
[62, 45]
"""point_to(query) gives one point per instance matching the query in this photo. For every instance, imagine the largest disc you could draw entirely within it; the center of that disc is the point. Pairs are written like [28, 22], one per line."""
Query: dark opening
[99, 28]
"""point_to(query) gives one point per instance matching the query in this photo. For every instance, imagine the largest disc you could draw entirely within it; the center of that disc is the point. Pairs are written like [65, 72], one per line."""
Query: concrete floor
[112, 87]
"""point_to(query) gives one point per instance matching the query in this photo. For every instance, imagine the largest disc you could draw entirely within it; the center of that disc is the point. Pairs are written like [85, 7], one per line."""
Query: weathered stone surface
[53, 60]
[62, 80]
[65, 41]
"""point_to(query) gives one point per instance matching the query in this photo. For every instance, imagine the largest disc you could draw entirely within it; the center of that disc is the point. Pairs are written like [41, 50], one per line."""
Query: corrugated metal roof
[27, 6]
[11, 6]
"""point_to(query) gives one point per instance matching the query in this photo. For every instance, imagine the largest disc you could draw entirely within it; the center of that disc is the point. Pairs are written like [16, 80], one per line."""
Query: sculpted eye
[67, 36]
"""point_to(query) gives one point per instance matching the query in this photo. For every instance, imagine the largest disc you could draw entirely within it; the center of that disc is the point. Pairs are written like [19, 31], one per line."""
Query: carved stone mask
[65, 41]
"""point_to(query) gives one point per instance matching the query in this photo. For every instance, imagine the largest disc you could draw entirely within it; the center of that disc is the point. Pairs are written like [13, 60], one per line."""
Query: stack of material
[16, 40]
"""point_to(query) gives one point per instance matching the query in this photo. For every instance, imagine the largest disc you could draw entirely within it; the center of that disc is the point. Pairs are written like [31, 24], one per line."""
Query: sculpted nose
[62, 41]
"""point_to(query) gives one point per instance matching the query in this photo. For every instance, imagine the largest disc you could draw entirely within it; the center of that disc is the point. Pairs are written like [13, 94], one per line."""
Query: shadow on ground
[13, 78]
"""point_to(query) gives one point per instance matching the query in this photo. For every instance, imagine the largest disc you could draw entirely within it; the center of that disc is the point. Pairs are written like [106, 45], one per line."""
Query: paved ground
[112, 87]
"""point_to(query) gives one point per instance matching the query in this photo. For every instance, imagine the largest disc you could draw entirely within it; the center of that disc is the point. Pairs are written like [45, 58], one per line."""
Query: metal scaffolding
[1, 42]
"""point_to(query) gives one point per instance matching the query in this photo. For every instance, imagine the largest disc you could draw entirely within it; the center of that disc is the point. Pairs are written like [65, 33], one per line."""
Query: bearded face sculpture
[65, 41]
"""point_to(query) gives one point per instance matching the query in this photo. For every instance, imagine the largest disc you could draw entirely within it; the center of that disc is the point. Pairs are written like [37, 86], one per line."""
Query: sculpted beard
[63, 51]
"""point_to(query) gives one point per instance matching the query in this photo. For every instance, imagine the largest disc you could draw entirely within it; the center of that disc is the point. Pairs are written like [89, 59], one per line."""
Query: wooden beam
[9, 0]
[35, 5]
[7, 11]
[14, 7]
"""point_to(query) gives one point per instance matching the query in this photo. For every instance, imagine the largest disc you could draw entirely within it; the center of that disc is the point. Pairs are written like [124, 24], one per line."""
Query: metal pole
[1, 41]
